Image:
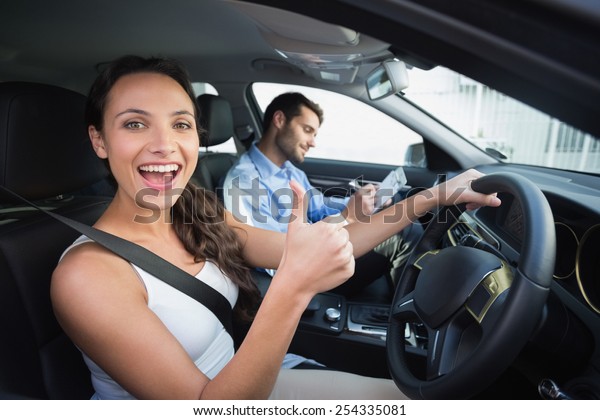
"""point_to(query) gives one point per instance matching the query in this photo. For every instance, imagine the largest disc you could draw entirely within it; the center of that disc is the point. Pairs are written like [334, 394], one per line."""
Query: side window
[229, 145]
[351, 129]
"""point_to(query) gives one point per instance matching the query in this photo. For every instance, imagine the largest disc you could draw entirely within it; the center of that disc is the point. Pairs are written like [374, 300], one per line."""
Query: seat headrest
[216, 118]
[45, 150]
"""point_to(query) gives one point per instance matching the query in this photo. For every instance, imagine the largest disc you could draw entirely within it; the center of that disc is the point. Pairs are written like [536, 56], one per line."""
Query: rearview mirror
[388, 78]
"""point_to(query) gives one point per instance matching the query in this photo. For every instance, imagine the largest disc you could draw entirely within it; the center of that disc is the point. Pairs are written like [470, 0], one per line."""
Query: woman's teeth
[159, 168]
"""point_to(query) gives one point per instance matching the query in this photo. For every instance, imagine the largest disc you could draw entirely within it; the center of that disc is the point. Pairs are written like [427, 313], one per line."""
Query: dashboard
[569, 331]
[575, 205]
[512, 222]
[577, 263]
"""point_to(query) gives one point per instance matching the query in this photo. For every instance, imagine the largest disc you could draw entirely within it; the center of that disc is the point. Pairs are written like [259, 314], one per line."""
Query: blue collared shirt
[257, 192]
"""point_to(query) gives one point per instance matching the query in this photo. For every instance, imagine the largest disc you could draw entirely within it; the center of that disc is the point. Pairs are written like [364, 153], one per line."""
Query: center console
[331, 313]
[349, 335]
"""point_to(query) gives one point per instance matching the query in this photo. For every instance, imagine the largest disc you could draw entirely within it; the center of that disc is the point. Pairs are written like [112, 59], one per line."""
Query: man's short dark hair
[290, 104]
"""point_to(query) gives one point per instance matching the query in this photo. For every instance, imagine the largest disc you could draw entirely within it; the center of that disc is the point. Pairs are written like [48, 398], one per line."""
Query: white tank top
[197, 329]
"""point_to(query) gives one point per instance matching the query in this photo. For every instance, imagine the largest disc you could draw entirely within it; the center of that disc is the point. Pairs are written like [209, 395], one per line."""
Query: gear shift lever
[549, 390]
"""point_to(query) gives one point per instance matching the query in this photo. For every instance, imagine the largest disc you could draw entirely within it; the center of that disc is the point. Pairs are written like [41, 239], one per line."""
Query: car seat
[217, 119]
[46, 157]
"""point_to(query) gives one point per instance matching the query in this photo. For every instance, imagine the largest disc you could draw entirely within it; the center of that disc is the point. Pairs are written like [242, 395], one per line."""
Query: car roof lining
[530, 50]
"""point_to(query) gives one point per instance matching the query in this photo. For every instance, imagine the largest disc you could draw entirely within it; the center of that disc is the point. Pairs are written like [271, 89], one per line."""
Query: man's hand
[361, 205]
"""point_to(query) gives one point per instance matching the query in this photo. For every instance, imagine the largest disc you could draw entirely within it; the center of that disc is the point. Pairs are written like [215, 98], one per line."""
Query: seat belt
[153, 264]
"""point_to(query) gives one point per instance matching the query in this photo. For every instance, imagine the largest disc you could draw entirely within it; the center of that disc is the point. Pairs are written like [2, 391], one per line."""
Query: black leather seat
[216, 117]
[45, 156]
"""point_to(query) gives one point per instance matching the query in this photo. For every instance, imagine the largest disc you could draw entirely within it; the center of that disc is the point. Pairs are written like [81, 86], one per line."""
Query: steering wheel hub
[447, 279]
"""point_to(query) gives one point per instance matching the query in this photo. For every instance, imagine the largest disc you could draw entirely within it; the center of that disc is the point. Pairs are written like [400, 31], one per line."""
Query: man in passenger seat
[256, 188]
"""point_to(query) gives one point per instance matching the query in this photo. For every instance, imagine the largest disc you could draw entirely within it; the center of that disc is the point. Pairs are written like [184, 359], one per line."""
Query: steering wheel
[478, 311]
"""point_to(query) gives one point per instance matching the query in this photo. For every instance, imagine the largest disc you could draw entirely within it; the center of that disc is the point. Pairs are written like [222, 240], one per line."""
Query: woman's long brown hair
[199, 220]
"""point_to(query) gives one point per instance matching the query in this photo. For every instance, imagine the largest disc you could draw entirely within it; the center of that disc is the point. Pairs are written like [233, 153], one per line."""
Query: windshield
[504, 127]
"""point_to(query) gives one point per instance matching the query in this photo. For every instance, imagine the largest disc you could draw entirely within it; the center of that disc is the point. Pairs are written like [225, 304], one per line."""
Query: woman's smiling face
[149, 137]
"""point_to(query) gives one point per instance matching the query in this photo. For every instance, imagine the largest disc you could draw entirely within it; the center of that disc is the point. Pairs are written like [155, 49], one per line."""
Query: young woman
[144, 339]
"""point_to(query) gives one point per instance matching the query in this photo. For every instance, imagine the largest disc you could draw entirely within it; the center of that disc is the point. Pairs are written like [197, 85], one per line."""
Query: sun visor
[329, 53]
[289, 25]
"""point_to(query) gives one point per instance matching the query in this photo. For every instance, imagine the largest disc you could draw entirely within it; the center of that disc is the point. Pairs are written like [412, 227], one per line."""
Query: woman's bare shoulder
[88, 271]
[88, 258]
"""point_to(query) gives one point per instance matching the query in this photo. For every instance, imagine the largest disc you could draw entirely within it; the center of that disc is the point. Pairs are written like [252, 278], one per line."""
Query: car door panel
[333, 176]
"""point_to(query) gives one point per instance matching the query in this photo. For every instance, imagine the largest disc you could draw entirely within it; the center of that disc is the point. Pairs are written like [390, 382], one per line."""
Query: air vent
[458, 231]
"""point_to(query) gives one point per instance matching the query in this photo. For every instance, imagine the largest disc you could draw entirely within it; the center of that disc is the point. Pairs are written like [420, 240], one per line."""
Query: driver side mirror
[390, 77]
